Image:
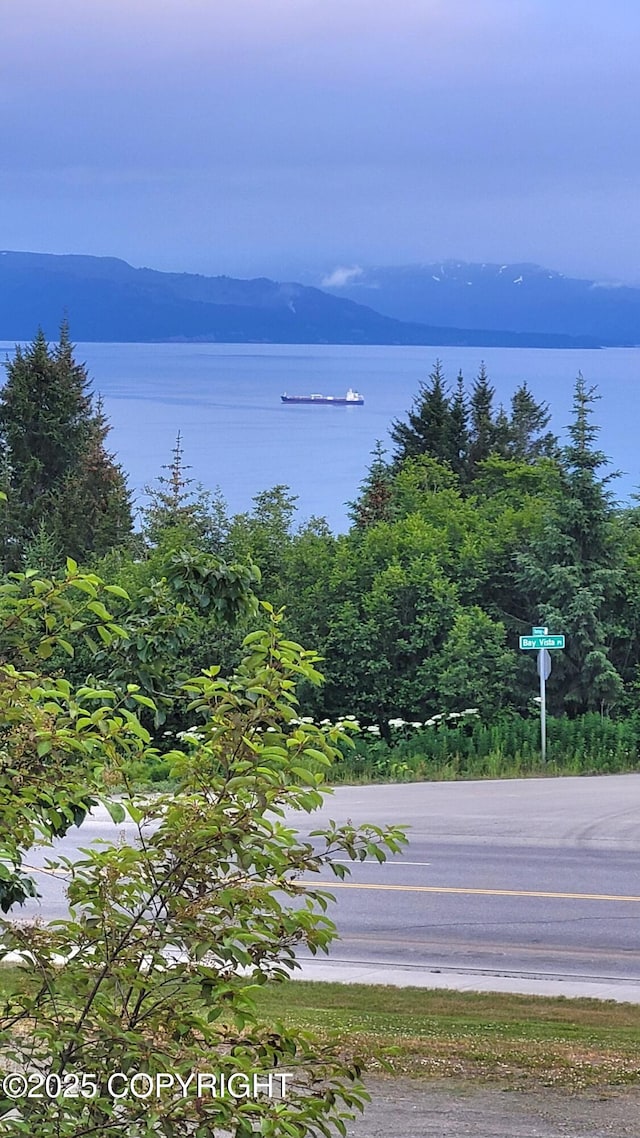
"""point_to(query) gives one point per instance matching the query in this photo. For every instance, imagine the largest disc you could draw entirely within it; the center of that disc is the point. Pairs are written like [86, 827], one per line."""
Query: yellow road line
[473, 892]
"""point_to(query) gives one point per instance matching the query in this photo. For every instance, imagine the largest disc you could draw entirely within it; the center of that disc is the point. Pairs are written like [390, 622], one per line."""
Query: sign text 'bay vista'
[538, 642]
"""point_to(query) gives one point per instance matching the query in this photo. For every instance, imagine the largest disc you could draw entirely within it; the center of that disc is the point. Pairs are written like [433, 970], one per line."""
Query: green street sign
[537, 642]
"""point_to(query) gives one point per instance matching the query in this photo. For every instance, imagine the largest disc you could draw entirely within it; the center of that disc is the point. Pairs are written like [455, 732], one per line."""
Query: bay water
[238, 435]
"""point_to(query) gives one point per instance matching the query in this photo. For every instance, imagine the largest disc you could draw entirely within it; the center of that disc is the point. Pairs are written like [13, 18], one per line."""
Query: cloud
[198, 133]
[341, 277]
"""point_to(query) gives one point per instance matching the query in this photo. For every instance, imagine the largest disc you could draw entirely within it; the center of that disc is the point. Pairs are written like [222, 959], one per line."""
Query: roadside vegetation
[460, 746]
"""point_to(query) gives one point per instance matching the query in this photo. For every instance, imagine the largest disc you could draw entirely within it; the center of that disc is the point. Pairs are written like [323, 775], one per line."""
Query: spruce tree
[502, 444]
[200, 514]
[483, 431]
[459, 431]
[428, 427]
[528, 439]
[376, 492]
[58, 475]
[573, 572]
[171, 501]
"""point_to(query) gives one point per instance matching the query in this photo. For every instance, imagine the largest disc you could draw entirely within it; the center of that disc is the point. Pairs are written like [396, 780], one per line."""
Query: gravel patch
[405, 1108]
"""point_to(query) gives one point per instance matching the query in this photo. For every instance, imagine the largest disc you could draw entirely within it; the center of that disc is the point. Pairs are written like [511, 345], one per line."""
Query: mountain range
[516, 297]
[106, 299]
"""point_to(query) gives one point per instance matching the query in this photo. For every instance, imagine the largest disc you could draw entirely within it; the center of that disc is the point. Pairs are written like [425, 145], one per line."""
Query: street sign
[532, 643]
[540, 642]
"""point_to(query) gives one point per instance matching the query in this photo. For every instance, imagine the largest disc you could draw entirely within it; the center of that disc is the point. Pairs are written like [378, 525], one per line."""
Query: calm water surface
[225, 400]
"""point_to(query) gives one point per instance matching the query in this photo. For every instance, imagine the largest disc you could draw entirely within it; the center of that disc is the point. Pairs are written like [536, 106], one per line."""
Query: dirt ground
[406, 1108]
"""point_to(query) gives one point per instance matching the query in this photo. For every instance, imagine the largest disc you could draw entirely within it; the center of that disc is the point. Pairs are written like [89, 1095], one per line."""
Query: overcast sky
[248, 136]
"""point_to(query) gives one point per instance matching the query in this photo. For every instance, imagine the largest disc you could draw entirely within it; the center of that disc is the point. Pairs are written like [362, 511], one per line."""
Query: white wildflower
[416, 725]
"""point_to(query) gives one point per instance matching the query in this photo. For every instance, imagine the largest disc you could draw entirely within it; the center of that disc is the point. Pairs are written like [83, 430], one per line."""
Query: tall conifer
[459, 431]
[428, 427]
[57, 472]
[484, 434]
[376, 492]
[528, 439]
[573, 571]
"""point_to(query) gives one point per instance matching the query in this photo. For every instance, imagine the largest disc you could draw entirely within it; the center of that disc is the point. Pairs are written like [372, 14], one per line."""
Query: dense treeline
[478, 524]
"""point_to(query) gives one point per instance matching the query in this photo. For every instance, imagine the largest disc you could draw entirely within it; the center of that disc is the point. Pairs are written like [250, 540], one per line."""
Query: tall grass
[463, 747]
[508, 748]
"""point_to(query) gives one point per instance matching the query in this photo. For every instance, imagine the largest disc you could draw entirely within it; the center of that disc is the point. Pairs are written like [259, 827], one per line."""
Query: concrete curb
[340, 972]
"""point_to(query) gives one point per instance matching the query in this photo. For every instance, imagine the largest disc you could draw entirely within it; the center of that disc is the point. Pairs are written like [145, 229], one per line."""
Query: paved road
[525, 885]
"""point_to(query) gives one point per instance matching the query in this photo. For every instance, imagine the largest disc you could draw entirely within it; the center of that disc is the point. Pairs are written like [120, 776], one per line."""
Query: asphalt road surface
[505, 884]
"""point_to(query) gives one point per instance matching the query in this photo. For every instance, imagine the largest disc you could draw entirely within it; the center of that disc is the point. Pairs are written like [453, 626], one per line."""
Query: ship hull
[326, 400]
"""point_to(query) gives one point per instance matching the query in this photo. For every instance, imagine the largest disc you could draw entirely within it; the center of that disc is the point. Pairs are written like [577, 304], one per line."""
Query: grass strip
[520, 1041]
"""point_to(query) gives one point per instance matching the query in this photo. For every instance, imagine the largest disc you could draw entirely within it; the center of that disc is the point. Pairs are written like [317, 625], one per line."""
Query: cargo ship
[352, 398]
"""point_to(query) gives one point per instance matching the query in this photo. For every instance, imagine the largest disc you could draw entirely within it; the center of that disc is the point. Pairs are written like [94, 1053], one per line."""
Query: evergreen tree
[428, 429]
[502, 445]
[528, 440]
[574, 570]
[43, 552]
[376, 492]
[57, 471]
[171, 501]
[483, 431]
[174, 505]
[92, 505]
[459, 431]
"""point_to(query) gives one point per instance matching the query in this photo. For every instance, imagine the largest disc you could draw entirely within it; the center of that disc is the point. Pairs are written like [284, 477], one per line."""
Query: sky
[291, 137]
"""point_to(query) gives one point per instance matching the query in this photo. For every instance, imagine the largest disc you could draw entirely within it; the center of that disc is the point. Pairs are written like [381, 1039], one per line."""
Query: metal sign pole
[541, 642]
[543, 704]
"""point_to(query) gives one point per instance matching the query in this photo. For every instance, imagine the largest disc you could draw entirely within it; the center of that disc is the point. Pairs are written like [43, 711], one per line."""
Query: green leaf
[116, 811]
[98, 608]
[116, 591]
[144, 700]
